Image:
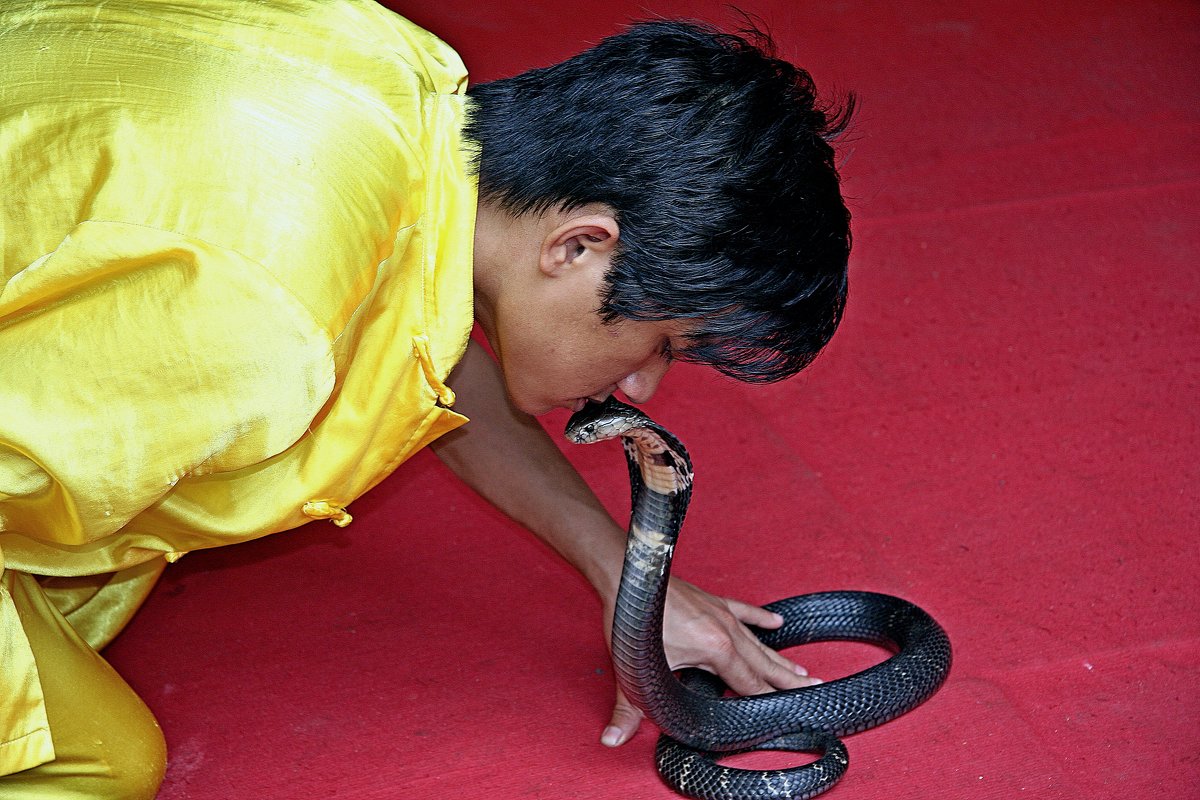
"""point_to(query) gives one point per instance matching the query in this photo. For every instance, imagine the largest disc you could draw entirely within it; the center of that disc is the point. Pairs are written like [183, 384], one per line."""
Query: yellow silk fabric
[107, 744]
[236, 268]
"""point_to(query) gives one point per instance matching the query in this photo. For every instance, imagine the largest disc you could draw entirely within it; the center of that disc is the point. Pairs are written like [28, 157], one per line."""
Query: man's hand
[709, 632]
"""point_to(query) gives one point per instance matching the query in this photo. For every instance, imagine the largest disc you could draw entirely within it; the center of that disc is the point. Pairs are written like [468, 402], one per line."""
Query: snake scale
[698, 722]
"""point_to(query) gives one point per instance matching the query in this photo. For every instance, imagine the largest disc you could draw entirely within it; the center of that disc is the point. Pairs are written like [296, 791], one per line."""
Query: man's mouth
[598, 397]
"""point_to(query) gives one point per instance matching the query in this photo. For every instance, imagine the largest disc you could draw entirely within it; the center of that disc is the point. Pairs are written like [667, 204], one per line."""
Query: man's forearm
[508, 458]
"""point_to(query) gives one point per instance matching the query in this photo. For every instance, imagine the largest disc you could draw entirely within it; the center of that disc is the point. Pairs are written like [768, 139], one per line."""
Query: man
[244, 246]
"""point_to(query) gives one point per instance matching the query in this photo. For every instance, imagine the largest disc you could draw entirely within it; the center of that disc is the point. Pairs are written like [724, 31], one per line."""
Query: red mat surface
[1005, 431]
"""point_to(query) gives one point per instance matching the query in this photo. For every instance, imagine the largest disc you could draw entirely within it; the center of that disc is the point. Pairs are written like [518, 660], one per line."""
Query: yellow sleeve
[134, 357]
[223, 226]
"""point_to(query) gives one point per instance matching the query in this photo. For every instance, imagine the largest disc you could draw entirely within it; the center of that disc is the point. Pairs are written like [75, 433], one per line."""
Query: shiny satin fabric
[106, 742]
[236, 243]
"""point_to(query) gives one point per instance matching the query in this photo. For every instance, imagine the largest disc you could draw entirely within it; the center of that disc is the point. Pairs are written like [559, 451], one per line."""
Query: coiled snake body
[697, 722]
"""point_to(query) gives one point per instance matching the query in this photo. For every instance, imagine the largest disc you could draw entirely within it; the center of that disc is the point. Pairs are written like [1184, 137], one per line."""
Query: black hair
[715, 156]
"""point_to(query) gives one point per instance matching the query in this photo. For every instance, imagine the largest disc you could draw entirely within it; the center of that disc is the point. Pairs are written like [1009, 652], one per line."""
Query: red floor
[1005, 431]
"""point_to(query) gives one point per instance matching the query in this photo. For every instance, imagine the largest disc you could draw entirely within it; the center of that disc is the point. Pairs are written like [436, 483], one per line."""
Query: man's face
[539, 285]
[560, 353]
[591, 363]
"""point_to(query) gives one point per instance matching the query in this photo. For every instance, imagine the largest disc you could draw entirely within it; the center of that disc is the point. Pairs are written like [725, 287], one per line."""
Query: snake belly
[698, 722]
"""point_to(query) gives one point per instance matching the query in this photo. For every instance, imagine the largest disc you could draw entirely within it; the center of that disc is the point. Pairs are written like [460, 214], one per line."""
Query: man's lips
[598, 397]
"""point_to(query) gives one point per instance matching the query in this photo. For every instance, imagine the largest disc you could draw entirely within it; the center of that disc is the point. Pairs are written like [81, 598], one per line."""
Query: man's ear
[586, 239]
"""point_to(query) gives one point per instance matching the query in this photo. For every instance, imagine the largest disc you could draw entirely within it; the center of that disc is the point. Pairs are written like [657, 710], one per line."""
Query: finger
[623, 724]
[743, 665]
[790, 668]
[744, 680]
[792, 676]
[755, 668]
[761, 618]
[754, 615]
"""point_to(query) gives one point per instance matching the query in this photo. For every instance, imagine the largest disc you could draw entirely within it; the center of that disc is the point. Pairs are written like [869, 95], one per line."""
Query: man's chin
[535, 408]
[570, 405]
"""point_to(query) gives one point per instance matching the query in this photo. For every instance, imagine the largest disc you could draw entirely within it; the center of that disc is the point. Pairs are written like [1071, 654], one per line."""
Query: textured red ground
[1005, 431]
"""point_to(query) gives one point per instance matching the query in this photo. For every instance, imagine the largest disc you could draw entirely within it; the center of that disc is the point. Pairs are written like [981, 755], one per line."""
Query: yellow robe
[235, 268]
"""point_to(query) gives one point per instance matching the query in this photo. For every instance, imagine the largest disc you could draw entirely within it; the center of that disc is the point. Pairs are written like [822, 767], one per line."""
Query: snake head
[653, 451]
[596, 422]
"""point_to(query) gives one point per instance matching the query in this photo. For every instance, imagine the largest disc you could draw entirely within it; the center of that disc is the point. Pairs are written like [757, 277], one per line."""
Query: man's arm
[508, 458]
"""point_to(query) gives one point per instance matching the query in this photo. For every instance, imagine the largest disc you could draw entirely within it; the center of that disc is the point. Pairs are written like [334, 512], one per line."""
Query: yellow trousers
[107, 744]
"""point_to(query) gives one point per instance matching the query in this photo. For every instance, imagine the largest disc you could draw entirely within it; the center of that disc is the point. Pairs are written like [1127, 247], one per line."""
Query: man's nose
[640, 386]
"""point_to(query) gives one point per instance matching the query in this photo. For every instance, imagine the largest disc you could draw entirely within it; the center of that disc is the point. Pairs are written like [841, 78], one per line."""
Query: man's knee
[124, 762]
[137, 764]
[107, 744]
[122, 755]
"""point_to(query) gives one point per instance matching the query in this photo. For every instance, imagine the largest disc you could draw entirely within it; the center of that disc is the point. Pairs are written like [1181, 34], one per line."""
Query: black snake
[699, 724]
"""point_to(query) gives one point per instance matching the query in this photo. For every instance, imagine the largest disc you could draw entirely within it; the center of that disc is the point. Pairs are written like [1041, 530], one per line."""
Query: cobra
[699, 724]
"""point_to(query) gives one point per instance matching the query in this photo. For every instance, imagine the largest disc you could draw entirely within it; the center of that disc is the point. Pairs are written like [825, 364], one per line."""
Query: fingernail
[611, 736]
[800, 670]
[814, 681]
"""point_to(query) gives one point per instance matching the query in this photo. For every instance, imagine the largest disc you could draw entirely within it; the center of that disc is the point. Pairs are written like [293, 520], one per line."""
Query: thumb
[624, 722]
